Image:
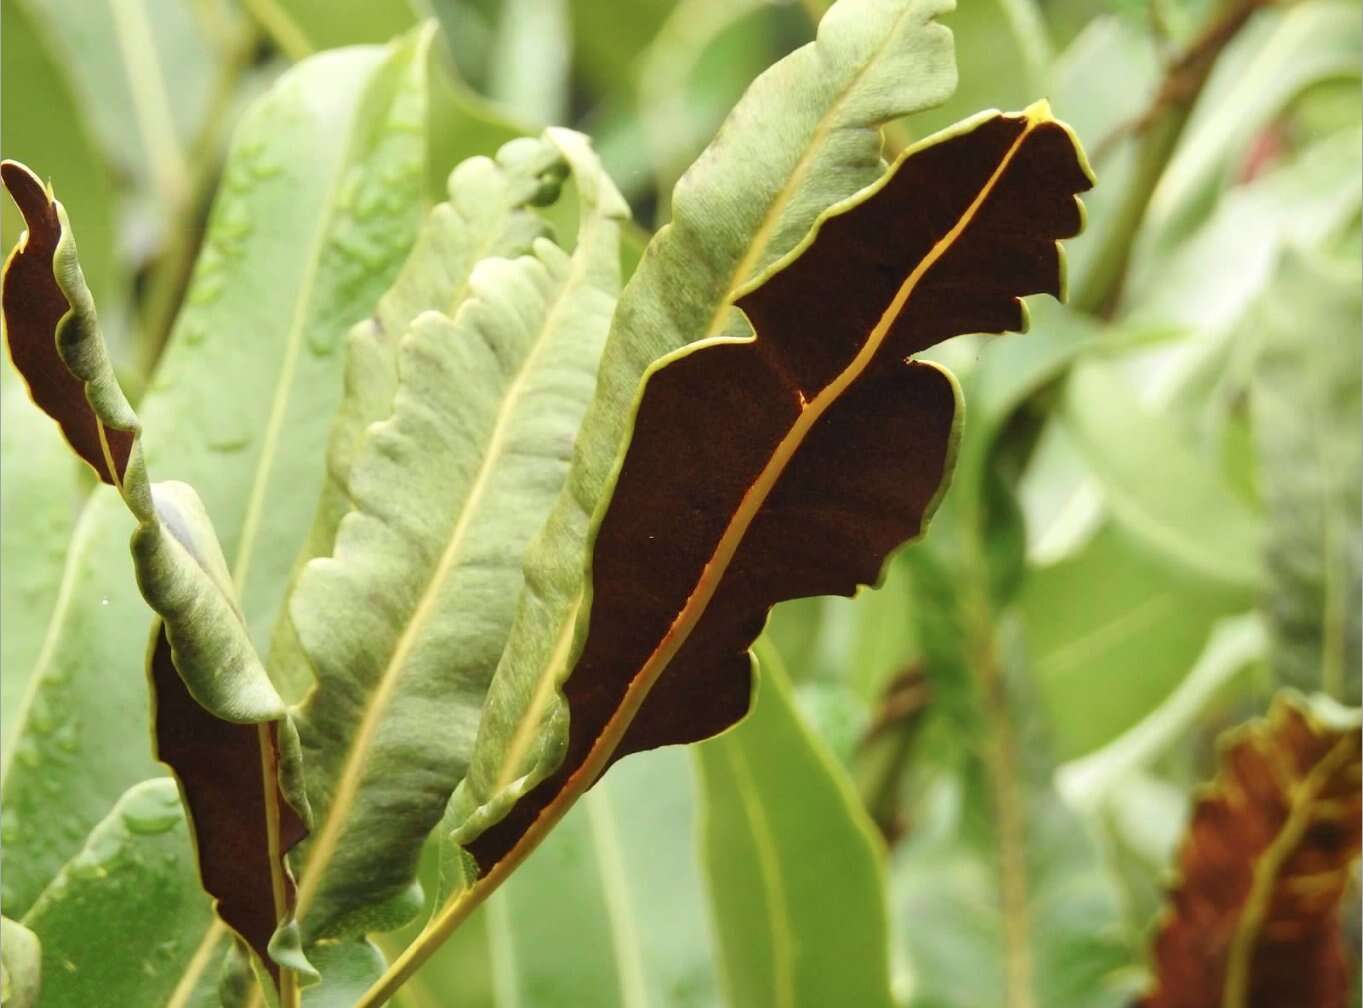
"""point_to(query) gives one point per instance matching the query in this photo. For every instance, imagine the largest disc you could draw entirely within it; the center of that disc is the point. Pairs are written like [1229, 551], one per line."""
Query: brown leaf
[35, 311]
[1254, 919]
[222, 769]
[791, 464]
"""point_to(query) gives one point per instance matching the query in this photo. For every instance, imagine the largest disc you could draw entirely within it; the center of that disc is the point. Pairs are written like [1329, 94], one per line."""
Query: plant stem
[170, 275]
[1159, 130]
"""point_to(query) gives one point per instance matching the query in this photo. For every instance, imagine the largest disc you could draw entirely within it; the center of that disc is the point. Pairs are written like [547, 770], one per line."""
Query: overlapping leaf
[1254, 918]
[334, 160]
[219, 719]
[845, 440]
[403, 625]
[804, 136]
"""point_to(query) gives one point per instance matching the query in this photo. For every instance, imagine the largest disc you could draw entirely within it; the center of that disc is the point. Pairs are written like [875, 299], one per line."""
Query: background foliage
[975, 779]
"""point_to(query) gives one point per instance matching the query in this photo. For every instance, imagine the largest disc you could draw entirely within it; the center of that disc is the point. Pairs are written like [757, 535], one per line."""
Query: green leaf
[610, 911]
[810, 137]
[447, 494]
[488, 213]
[331, 158]
[795, 873]
[1266, 863]
[303, 27]
[1306, 404]
[20, 965]
[530, 57]
[1111, 631]
[1155, 484]
[133, 881]
[38, 506]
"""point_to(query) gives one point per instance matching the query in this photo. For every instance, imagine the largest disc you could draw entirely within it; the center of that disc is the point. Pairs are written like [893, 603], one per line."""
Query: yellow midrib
[529, 723]
[328, 838]
[1300, 797]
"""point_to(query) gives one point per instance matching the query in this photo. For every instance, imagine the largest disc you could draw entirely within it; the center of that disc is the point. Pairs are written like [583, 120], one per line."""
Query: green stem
[1158, 130]
[169, 278]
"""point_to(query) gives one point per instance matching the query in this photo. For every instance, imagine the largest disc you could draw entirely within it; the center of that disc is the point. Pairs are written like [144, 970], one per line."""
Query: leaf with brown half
[768, 467]
[220, 724]
[1254, 919]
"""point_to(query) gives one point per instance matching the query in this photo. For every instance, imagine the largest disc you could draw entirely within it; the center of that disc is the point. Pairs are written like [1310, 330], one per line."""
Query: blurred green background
[1154, 523]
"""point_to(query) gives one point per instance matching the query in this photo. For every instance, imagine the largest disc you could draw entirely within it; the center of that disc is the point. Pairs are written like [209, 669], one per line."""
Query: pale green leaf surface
[1154, 482]
[487, 213]
[1282, 53]
[1111, 631]
[331, 159]
[21, 965]
[805, 135]
[1306, 405]
[135, 874]
[794, 871]
[447, 492]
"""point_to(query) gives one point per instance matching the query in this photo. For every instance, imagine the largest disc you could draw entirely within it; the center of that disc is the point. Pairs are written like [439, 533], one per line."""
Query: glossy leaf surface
[136, 868]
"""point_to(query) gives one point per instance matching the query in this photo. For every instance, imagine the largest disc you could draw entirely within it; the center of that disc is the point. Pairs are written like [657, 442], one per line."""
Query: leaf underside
[1254, 919]
[218, 716]
[844, 442]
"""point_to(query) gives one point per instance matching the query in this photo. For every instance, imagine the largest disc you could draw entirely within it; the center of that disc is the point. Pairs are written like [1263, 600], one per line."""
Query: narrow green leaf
[530, 60]
[488, 213]
[447, 493]
[805, 135]
[118, 919]
[20, 965]
[218, 718]
[333, 158]
[1154, 482]
[794, 871]
[1306, 405]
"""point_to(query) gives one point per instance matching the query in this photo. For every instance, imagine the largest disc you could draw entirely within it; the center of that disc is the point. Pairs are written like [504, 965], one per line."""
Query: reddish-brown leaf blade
[218, 765]
[792, 464]
[1254, 919]
[34, 309]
